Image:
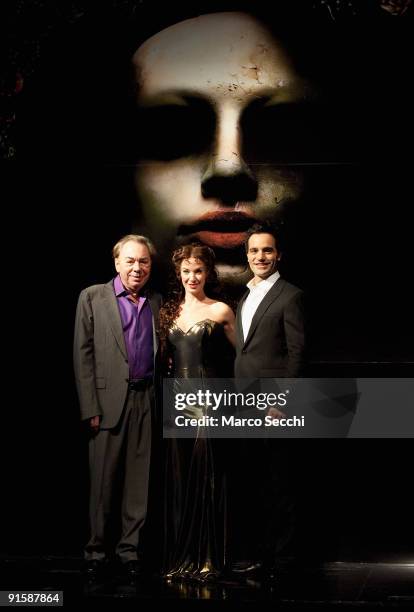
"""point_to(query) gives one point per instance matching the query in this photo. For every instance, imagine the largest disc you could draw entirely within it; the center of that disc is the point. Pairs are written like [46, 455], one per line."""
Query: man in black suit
[270, 343]
[270, 322]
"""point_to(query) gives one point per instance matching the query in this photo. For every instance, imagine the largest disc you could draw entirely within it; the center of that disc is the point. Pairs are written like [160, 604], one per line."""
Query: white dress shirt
[256, 295]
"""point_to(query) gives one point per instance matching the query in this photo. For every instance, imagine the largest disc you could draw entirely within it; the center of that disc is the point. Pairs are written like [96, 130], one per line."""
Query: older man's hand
[94, 423]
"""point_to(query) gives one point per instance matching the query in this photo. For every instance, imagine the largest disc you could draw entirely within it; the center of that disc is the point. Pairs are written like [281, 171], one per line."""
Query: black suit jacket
[274, 347]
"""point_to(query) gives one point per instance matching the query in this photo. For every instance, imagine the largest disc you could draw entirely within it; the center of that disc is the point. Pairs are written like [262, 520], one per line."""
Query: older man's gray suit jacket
[100, 355]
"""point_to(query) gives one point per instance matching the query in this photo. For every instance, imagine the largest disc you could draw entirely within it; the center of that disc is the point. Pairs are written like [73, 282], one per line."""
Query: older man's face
[133, 265]
[216, 97]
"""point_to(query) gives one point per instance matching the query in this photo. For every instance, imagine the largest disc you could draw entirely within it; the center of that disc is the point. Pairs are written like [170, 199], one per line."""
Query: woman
[198, 334]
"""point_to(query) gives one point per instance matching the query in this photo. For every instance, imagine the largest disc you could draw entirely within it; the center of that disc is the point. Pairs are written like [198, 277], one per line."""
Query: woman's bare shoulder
[222, 310]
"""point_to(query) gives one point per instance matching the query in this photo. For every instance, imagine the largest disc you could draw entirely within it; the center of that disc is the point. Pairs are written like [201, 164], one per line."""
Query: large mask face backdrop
[215, 97]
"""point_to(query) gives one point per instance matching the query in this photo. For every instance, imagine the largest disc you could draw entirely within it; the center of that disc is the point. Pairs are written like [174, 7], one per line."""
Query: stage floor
[335, 585]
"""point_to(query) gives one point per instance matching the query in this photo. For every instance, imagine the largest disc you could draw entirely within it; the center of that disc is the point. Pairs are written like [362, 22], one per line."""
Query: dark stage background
[67, 197]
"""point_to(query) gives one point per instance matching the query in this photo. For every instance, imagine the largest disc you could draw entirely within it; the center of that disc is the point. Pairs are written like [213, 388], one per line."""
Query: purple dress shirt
[136, 321]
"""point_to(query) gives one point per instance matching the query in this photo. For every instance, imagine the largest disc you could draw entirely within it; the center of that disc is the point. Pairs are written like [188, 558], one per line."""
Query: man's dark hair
[265, 228]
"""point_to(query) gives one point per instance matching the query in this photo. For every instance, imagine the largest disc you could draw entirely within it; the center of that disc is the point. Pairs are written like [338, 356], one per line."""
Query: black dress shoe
[270, 573]
[247, 569]
[93, 569]
[254, 570]
[132, 569]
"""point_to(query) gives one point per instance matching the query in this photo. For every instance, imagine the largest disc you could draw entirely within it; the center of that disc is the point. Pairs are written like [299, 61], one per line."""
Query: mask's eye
[173, 131]
[285, 133]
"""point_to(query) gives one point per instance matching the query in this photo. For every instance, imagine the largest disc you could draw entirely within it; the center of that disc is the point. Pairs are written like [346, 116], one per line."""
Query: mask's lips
[222, 229]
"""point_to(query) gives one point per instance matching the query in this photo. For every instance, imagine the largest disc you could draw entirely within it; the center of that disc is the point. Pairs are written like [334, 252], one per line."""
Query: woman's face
[193, 275]
[215, 101]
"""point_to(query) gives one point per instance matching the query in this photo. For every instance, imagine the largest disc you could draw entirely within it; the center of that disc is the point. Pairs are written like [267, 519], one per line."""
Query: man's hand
[94, 423]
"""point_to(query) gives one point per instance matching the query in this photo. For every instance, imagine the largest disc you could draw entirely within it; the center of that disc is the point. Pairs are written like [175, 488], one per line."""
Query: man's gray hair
[136, 238]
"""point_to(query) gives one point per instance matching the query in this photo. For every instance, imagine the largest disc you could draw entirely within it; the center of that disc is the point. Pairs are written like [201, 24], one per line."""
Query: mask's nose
[227, 177]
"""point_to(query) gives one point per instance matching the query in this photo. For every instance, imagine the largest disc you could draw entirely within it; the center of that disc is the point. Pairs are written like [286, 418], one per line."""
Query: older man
[114, 357]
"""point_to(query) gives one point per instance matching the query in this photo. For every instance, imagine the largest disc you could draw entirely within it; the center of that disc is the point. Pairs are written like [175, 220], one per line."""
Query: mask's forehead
[223, 54]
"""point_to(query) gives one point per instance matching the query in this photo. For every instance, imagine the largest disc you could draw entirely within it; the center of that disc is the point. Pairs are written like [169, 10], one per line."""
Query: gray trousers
[121, 453]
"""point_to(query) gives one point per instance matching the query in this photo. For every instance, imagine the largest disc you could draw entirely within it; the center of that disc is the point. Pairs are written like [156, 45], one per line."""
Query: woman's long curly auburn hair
[172, 307]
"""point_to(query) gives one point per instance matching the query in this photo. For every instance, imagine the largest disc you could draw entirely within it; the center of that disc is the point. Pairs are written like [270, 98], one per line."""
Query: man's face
[262, 255]
[133, 265]
[208, 89]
